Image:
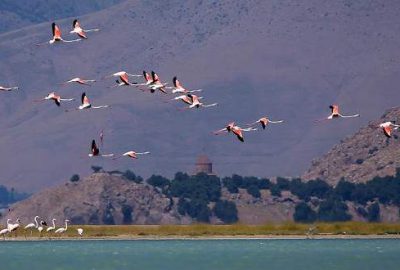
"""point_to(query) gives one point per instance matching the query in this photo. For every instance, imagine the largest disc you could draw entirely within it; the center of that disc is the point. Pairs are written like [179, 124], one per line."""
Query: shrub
[226, 211]
[127, 213]
[158, 181]
[373, 212]
[304, 213]
[74, 178]
[333, 210]
[96, 169]
[131, 176]
[254, 191]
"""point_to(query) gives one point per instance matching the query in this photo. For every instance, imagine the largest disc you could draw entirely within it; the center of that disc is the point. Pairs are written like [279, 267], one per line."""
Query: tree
[275, 190]
[226, 211]
[158, 181]
[254, 191]
[131, 176]
[344, 190]
[333, 210]
[96, 169]
[373, 212]
[127, 213]
[304, 213]
[74, 178]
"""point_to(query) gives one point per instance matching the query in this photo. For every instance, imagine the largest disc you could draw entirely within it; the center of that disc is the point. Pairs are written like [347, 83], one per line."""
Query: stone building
[204, 165]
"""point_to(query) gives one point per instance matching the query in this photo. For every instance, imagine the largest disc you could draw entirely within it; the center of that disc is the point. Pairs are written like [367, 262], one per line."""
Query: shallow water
[203, 254]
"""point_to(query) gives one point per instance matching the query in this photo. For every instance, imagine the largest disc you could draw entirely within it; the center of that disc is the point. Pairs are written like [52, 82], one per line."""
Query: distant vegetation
[199, 196]
[9, 196]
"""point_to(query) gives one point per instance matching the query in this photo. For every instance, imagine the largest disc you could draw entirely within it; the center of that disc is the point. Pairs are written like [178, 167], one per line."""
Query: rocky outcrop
[361, 157]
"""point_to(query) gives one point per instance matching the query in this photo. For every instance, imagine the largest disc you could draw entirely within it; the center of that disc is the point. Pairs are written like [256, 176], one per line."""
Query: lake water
[202, 254]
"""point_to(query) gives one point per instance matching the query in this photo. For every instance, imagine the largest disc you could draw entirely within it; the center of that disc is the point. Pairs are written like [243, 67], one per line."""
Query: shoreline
[204, 238]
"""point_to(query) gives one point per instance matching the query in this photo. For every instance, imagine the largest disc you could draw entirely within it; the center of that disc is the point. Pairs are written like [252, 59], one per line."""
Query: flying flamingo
[236, 130]
[123, 81]
[86, 103]
[193, 101]
[2, 88]
[80, 81]
[264, 121]
[95, 151]
[63, 230]
[77, 29]
[178, 88]
[57, 36]
[132, 154]
[122, 73]
[156, 84]
[388, 128]
[56, 98]
[32, 225]
[335, 113]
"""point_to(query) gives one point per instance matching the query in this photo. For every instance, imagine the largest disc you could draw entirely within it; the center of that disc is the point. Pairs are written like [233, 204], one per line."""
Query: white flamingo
[80, 81]
[77, 29]
[57, 36]
[51, 228]
[122, 73]
[388, 128]
[133, 154]
[156, 84]
[193, 101]
[123, 81]
[3, 233]
[80, 231]
[264, 121]
[62, 229]
[3, 88]
[32, 225]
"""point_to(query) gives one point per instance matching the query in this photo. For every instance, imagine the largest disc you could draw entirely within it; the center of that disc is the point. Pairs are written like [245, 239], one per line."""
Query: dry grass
[206, 230]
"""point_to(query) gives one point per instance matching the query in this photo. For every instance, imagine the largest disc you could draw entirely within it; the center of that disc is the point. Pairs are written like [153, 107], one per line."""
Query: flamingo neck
[54, 224]
[37, 224]
[66, 225]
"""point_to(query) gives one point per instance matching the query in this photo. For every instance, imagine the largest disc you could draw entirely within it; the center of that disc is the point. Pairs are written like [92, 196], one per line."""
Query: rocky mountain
[287, 59]
[362, 156]
[17, 14]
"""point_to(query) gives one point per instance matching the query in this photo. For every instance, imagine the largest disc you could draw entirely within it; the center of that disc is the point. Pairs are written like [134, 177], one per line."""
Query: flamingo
[63, 230]
[133, 154]
[32, 225]
[56, 98]
[122, 73]
[80, 231]
[156, 84]
[41, 227]
[14, 227]
[236, 130]
[335, 113]
[123, 81]
[86, 103]
[51, 228]
[194, 101]
[77, 29]
[264, 121]
[57, 36]
[178, 88]
[388, 128]
[3, 88]
[95, 151]
[147, 79]
[80, 81]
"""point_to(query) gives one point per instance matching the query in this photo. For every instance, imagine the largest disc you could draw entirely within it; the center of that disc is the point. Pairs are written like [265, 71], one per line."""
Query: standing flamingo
[95, 151]
[264, 121]
[77, 29]
[80, 231]
[133, 154]
[80, 81]
[32, 225]
[13, 227]
[57, 36]
[388, 128]
[178, 88]
[62, 230]
[3, 88]
[53, 227]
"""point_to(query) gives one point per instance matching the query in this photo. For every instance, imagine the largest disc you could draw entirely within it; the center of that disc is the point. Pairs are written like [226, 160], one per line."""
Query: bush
[283, 183]
[373, 212]
[74, 178]
[226, 211]
[96, 169]
[275, 190]
[158, 181]
[333, 210]
[344, 190]
[303, 213]
[131, 176]
[254, 191]
[127, 213]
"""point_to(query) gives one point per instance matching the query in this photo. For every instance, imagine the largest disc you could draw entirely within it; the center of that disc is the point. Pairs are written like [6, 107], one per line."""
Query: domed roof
[203, 159]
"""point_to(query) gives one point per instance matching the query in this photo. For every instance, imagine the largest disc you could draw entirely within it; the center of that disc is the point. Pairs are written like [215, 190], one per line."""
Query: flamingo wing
[56, 31]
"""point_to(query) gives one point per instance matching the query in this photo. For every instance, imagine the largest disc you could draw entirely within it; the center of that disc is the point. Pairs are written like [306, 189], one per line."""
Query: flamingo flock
[147, 82]
[40, 227]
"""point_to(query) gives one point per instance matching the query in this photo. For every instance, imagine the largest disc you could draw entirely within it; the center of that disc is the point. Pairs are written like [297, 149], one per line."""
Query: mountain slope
[285, 59]
[16, 14]
[361, 157]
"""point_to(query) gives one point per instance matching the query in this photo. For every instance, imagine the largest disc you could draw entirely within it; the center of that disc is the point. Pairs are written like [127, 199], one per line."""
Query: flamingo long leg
[143, 153]
[349, 116]
[92, 30]
[209, 105]
[249, 129]
[100, 107]
[276, 122]
[69, 41]
[67, 99]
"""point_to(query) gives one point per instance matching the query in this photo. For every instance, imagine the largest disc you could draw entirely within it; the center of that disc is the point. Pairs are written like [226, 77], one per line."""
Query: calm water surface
[203, 254]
